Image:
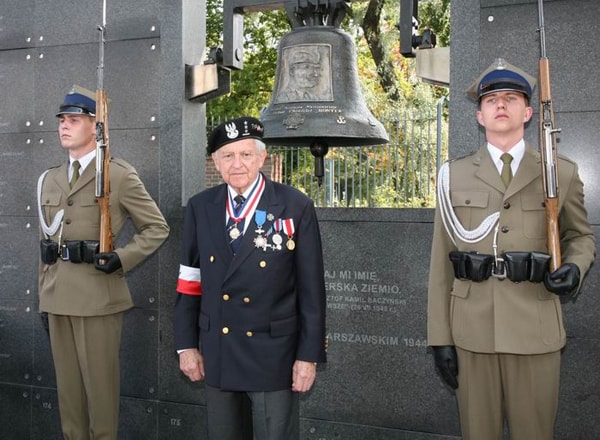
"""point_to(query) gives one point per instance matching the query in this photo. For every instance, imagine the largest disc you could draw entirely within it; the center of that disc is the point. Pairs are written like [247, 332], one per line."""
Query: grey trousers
[252, 415]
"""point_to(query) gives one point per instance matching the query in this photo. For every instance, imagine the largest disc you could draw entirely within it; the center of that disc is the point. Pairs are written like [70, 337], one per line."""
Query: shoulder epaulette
[121, 162]
[462, 157]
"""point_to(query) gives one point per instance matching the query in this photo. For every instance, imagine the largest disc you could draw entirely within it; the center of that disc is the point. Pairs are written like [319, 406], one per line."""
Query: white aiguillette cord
[48, 230]
[449, 218]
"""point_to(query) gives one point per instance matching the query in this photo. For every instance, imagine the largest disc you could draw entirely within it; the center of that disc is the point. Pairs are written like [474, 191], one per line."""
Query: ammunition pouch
[472, 265]
[79, 251]
[516, 266]
[48, 251]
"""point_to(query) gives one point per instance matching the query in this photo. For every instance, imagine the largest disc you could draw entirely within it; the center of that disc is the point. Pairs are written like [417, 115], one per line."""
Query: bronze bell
[317, 101]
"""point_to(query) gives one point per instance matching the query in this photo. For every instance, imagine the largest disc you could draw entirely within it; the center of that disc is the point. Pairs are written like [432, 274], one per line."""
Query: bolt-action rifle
[103, 149]
[547, 140]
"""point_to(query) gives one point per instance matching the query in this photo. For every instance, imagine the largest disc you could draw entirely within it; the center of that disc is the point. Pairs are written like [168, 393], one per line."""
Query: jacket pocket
[284, 327]
[534, 215]
[471, 207]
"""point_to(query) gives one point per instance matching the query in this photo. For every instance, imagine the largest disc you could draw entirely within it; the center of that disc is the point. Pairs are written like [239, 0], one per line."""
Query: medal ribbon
[288, 227]
[253, 198]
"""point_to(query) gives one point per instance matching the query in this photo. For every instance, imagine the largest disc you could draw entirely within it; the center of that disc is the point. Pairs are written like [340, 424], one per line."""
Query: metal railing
[399, 174]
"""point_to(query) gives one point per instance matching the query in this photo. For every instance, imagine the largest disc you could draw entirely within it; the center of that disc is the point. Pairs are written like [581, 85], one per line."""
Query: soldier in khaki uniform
[83, 292]
[494, 315]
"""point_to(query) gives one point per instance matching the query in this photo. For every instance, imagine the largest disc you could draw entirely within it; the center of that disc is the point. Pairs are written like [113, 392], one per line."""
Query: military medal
[236, 217]
[277, 239]
[260, 217]
[234, 232]
[260, 241]
[288, 229]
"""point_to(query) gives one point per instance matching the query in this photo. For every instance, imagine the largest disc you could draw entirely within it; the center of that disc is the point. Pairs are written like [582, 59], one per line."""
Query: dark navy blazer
[261, 309]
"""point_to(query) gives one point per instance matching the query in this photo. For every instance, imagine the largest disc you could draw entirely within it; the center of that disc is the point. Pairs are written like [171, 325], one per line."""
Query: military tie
[235, 242]
[76, 165]
[506, 173]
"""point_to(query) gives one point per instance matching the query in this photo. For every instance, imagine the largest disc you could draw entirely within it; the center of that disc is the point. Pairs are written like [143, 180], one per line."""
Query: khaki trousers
[86, 360]
[523, 389]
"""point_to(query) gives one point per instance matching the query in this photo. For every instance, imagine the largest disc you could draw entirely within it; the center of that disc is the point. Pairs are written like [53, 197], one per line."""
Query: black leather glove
[446, 364]
[45, 323]
[107, 262]
[564, 280]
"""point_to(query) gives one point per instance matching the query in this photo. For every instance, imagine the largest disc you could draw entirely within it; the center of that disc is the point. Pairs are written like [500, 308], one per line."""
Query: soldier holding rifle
[494, 315]
[84, 292]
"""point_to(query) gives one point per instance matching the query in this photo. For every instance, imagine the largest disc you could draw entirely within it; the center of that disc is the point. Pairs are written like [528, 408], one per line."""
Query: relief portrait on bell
[305, 74]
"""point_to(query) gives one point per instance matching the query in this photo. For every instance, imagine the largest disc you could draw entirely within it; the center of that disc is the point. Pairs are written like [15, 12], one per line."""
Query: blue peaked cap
[502, 76]
[78, 101]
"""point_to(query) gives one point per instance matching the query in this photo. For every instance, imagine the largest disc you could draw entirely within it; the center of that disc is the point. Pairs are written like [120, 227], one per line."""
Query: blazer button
[249, 334]
[506, 205]
[70, 203]
[246, 299]
[505, 229]
[467, 202]
[225, 330]
[68, 221]
[212, 259]
[225, 297]
[263, 264]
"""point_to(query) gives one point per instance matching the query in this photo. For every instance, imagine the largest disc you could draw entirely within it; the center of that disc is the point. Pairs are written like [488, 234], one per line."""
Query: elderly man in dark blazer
[84, 292]
[494, 317]
[251, 292]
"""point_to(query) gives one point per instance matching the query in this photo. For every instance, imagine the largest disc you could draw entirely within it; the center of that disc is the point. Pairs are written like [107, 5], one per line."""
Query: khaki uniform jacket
[499, 316]
[67, 288]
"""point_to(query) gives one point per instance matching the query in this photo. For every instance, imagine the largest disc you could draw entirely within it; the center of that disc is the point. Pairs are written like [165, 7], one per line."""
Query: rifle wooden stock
[553, 236]
[103, 172]
[549, 164]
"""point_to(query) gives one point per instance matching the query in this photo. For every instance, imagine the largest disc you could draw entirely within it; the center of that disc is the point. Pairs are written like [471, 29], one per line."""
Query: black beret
[234, 130]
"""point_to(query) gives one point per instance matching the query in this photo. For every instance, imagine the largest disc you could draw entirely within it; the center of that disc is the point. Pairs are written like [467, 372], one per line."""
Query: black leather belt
[79, 251]
[516, 266]
[75, 251]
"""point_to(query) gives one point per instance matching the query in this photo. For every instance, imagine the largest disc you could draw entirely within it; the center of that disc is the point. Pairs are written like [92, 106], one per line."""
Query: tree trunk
[385, 68]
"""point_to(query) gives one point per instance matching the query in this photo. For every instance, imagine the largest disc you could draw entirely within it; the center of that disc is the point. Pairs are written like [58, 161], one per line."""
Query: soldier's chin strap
[451, 222]
[48, 230]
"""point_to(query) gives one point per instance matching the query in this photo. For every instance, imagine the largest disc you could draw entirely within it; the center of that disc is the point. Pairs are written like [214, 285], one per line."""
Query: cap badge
[231, 130]
[500, 64]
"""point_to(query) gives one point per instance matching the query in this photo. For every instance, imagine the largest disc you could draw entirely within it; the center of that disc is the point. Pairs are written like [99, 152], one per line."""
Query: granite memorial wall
[379, 383]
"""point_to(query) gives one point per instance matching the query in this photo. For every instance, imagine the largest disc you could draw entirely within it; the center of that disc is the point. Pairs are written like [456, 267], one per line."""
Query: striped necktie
[235, 242]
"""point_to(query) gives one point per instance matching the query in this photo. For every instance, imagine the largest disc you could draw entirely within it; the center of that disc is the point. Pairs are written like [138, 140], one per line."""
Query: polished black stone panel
[16, 25]
[132, 86]
[124, 20]
[16, 336]
[581, 317]
[181, 422]
[43, 363]
[139, 419]
[45, 415]
[16, 75]
[327, 430]
[20, 248]
[15, 411]
[579, 390]
[139, 369]
[378, 364]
